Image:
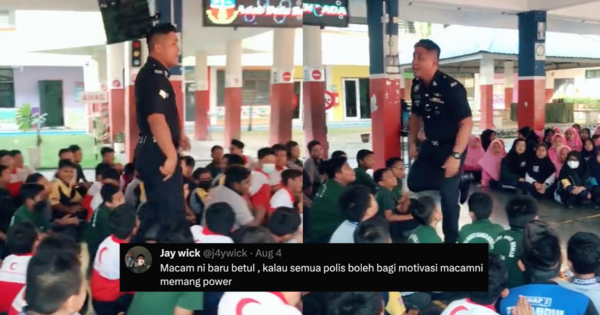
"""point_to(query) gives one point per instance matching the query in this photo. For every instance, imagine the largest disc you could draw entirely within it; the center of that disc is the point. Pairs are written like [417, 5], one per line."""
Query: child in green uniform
[396, 165]
[99, 228]
[366, 161]
[325, 215]
[481, 230]
[375, 230]
[32, 210]
[181, 303]
[426, 212]
[519, 210]
[395, 213]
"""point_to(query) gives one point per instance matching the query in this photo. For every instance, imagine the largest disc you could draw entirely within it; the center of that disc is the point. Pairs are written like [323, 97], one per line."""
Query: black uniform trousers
[426, 173]
[164, 197]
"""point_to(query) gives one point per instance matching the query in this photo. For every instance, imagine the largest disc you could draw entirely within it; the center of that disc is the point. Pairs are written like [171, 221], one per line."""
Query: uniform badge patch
[416, 89]
[453, 84]
[163, 94]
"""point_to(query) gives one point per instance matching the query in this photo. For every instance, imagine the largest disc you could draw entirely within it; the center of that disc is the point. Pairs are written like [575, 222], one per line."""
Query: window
[256, 87]
[592, 74]
[7, 88]
[7, 20]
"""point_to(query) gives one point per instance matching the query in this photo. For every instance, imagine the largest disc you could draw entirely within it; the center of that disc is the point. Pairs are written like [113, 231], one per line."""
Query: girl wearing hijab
[577, 127]
[490, 164]
[487, 136]
[575, 184]
[474, 153]
[585, 133]
[540, 173]
[588, 150]
[514, 168]
[557, 130]
[560, 158]
[573, 141]
[524, 132]
[596, 131]
[548, 135]
[557, 141]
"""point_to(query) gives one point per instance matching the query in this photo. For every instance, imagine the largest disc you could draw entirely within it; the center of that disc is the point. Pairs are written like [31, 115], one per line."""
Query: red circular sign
[287, 77]
[316, 75]
[103, 87]
[116, 84]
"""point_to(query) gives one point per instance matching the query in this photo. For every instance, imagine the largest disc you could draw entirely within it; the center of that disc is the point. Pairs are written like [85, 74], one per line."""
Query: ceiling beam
[549, 5]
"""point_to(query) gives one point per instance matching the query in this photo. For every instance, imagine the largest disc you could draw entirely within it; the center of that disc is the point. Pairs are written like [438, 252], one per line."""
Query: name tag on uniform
[436, 100]
[163, 94]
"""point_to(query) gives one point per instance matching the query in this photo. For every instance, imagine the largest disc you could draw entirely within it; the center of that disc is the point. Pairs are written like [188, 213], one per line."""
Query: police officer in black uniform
[440, 105]
[156, 155]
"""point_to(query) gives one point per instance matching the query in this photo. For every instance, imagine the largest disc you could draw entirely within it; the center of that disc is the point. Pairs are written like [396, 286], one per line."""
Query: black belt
[144, 139]
[437, 143]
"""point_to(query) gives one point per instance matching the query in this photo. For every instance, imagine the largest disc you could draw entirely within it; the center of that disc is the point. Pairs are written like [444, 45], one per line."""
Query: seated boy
[16, 177]
[483, 302]
[359, 303]
[32, 210]
[128, 176]
[285, 225]
[109, 176]
[66, 200]
[188, 164]
[401, 222]
[376, 230]
[203, 182]
[25, 170]
[99, 228]
[357, 204]
[426, 213]
[95, 187]
[281, 162]
[481, 230]
[252, 235]
[366, 161]
[220, 219]
[7, 207]
[291, 181]
[519, 210]
[22, 240]
[107, 299]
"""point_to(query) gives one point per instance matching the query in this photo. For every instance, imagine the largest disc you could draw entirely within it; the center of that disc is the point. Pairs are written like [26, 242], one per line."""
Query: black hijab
[540, 169]
[587, 154]
[578, 176]
[517, 163]
[546, 133]
[589, 132]
[486, 138]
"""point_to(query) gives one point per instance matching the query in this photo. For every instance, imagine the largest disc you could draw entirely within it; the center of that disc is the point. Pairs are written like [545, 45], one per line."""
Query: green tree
[423, 29]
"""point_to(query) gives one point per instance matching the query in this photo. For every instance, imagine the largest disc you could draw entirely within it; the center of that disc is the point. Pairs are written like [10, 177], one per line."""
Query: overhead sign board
[93, 97]
[252, 13]
[332, 13]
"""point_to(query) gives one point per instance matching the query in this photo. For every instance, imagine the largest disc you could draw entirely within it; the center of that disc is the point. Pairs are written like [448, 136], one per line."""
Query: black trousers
[426, 173]
[165, 197]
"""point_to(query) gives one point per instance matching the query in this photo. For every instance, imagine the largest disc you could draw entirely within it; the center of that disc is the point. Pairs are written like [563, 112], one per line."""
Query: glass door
[364, 99]
[351, 99]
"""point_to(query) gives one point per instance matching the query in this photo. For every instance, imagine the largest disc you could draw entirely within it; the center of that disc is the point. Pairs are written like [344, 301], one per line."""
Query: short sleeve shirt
[154, 94]
[385, 200]
[442, 105]
[37, 218]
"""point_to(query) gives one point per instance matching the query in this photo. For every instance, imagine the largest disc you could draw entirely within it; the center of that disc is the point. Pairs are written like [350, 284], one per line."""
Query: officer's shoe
[464, 192]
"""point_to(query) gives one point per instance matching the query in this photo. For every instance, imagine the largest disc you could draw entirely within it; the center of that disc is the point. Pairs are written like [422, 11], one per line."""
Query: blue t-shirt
[548, 298]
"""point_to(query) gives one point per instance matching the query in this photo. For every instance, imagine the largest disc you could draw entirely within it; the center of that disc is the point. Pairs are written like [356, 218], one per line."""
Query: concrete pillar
[549, 89]
[313, 88]
[531, 110]
[282, 86]
[402, 84]
[91, 83]
[233, 91]
[508, 83]
[486, 88]
[477, 94]
[384, 80]
[115, 63]
[202, 96]
[132, 131]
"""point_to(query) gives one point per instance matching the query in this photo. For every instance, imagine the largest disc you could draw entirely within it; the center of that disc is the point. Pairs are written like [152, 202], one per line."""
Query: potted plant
[26, 119]
[119, 143]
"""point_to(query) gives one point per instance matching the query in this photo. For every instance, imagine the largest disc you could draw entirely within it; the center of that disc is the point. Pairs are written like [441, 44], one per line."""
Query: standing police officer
[440, 105]
[157, 160]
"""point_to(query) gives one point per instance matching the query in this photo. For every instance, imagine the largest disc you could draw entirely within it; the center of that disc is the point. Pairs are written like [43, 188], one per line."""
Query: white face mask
[268, 168]
[573, 164]
[140, 262]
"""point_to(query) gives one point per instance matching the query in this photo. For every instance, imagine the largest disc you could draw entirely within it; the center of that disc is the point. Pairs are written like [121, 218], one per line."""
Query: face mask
[573, 164]
[268, 168]
[39, 206]
[140, 262]
[205, 184]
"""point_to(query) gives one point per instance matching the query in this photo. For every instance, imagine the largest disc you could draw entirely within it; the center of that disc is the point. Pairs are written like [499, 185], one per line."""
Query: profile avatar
[140, 265]
[222, 12]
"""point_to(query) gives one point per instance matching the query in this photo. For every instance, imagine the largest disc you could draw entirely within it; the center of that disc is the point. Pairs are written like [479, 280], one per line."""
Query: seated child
[19, 165]
[99, 227]
[426, 213]
[366, 161]
[8, 205]
[376, 230]
[17, 177]
[109, 176]
[359, 303]
[401, 222]
[357, 204]
[483, 302]
[284, 224]
[107, 298]
[519, 210]
[202, 181]
[66, 200]
[481, 230]
[188, 164]
[252, 235]
[291, 186]
[22, 240]
[577, 187]
[128, 176]
[220, 219]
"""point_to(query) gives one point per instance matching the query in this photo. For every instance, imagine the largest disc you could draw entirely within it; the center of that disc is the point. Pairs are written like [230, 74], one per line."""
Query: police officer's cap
[429, 45]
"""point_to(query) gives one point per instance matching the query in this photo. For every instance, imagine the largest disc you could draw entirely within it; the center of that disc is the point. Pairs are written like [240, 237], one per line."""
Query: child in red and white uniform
[260, 185]
[291, 181]
[237, 147]
[219, 222]
[259, 303]
[105, 280]
[280, 166]
[17, 175]
[22, 239]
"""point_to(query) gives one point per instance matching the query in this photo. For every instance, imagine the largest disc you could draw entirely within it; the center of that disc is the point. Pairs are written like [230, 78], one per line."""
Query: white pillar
[476, 91]
[115, 63]
[233, 64]
[91, 76]
[283, 55]
[312, 46]
[486, 90]
[509, 74]
[486, 72]
[201, 96]
[201, 71]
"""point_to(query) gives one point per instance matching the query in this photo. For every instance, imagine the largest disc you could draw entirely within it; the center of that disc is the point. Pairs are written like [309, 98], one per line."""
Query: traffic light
[136, 53]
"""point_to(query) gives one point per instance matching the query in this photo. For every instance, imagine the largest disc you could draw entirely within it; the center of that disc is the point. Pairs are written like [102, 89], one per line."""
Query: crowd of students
[49, 226]
[561, 166]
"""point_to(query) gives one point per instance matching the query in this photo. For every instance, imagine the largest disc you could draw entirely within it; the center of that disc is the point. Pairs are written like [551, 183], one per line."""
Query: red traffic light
[136, 44]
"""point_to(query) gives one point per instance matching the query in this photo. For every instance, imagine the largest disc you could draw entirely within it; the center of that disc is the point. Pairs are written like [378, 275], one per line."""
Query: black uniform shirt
[154, 94]
[442, 106]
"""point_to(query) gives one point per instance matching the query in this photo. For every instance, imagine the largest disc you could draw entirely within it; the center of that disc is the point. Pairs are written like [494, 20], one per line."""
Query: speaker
[125, 20]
